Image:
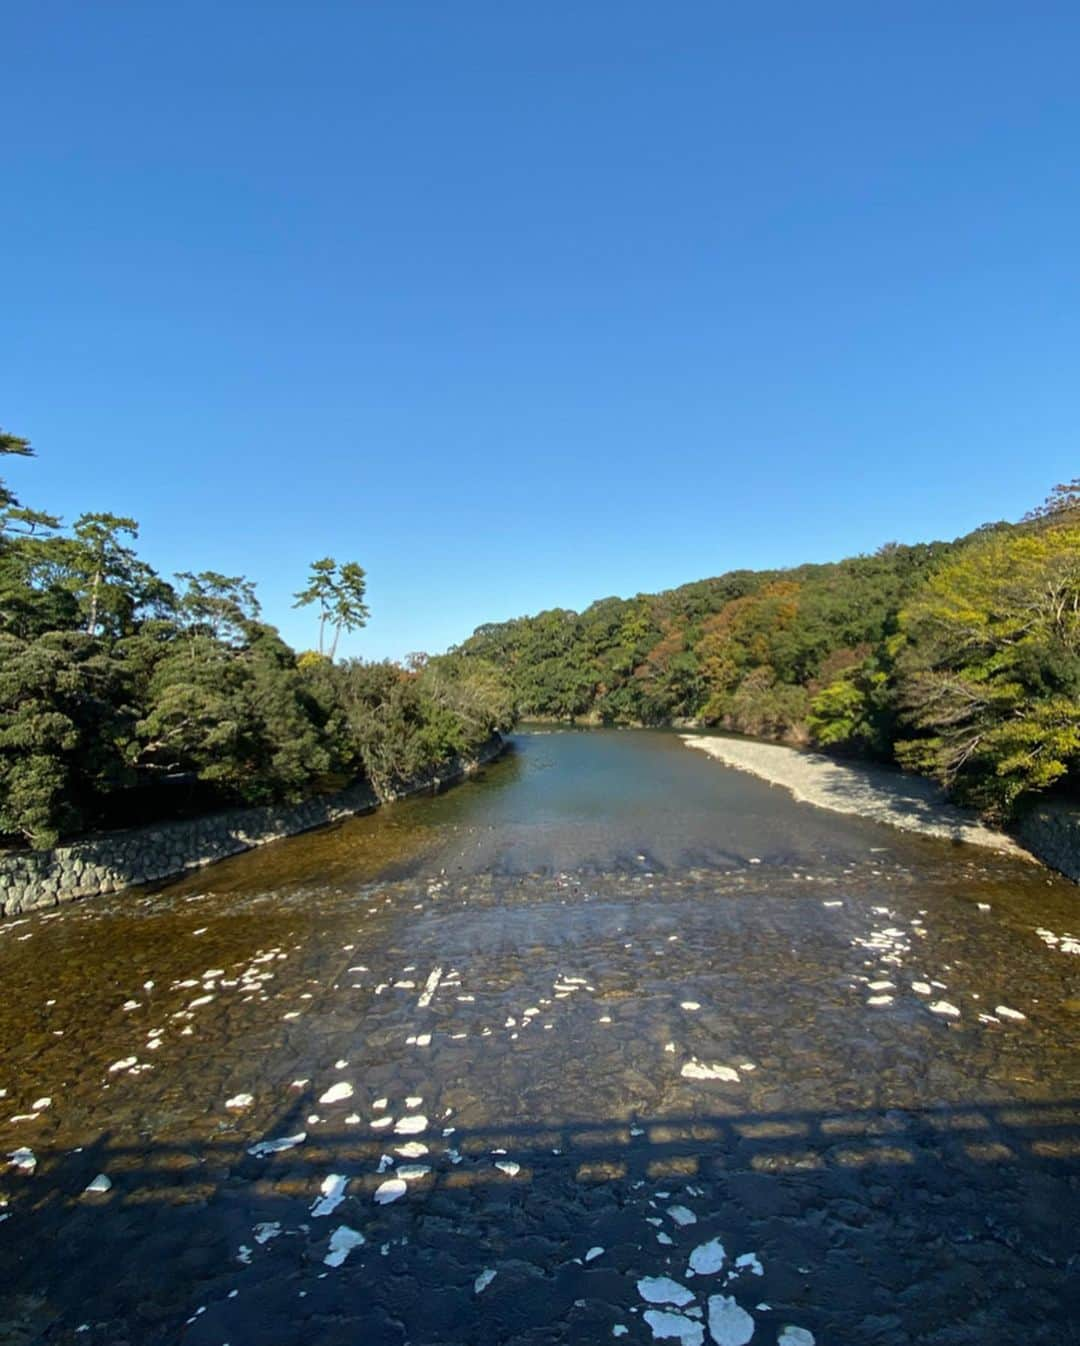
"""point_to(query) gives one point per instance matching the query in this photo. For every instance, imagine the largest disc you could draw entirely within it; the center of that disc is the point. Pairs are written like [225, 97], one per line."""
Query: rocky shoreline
[36, 880]
[881, 794]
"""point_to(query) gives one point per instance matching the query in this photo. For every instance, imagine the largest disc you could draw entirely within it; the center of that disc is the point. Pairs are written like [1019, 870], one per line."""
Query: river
[671, 1055]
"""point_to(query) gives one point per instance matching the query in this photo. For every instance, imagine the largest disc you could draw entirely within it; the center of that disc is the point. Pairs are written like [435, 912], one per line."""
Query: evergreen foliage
[116, 685]
[958, 659]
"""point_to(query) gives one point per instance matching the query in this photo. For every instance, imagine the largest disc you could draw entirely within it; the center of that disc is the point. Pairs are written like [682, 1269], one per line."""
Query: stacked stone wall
[33, 880]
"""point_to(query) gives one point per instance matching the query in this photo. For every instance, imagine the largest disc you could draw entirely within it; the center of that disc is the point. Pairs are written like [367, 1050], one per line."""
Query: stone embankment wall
[1052, 832]
[33, 880]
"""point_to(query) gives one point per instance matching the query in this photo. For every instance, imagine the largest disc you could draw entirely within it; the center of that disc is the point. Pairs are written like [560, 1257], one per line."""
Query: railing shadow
[186, 1222]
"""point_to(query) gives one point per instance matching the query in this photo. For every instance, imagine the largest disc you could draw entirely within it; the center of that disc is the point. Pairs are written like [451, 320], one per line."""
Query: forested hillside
[959, 659]
[125, 697]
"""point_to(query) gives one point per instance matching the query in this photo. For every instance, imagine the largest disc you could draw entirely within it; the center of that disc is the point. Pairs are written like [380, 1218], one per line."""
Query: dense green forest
[958, 659]
[125, 697]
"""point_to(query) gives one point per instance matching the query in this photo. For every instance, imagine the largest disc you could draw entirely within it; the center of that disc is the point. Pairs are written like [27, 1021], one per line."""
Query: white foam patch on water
[593, 1253]
[944, 1008]
[380, 1122]
[795, 1336]
[269, 1229]
[508, 1167]
[337, 1093]
[342, 1241]
[124, 1064]
[239, 1101]
[102, 1183]
[413, 1101]
[729, 1324]
[1063, 943]
[689, 1005]
[333, 1194]
[663, 1290]
[699, 1070]
[390, 1190]
[379, 1104]
[412, 1149]
[430, 987]
[265, 1147]
[750, 1262]
[413, 1172]
[708, 1258]
[682, 1215]
[921, 987]
[410, 1126]
[484, 1280]
[1007, 1013]
[668, 1326]
[879, 1000]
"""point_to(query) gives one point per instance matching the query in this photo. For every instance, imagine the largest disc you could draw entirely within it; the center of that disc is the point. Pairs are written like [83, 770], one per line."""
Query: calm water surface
[583, 1023]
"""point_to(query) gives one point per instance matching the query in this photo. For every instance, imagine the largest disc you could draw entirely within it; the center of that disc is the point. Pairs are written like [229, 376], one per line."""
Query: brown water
[640, 983]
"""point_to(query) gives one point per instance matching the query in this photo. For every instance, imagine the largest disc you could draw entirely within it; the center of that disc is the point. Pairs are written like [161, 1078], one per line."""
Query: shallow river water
[610, 1042]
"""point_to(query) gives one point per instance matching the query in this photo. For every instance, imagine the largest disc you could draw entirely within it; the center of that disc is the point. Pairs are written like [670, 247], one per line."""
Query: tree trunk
[91, 625]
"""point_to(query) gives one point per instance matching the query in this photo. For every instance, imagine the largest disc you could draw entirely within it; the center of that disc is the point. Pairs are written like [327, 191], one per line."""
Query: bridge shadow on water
[943, 1226]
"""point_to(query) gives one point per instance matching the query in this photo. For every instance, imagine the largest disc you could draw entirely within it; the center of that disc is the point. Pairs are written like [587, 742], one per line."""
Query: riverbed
[610, 1042]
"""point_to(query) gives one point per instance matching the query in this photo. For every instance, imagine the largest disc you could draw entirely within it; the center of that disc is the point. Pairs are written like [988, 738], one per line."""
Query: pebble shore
[879, 793]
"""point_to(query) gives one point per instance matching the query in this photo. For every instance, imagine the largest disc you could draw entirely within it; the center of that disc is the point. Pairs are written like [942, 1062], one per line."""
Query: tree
[1063, 500]
[339, 592]
[989, 668]
[12, 444]
[64, 724]
[853, 711]
[220, 606]
[110, 680]
[108, 578]
[13, 516]
[240, 717]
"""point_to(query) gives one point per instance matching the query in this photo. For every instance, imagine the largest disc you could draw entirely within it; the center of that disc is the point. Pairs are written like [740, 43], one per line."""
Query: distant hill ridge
[959, 659]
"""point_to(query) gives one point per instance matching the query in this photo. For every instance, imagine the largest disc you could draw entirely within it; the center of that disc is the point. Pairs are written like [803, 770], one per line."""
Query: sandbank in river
[878, 793]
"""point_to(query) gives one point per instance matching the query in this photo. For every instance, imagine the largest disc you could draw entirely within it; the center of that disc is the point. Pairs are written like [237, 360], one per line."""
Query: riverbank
[36, 880]
[911, 803]
[434, 1074]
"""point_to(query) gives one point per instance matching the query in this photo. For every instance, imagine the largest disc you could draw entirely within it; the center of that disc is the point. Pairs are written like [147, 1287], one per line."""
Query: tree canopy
[959, 659]
[124, 695]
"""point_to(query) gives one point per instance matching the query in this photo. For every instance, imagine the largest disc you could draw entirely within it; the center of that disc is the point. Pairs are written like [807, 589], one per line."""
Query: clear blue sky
[524, 305]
